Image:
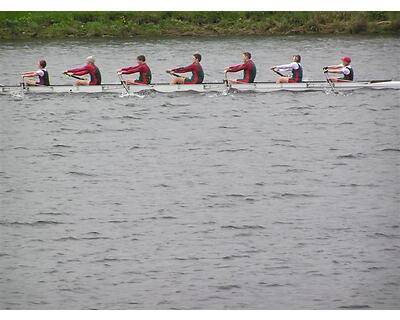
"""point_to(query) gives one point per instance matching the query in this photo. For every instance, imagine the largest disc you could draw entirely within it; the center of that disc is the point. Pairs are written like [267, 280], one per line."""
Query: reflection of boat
[207, 87]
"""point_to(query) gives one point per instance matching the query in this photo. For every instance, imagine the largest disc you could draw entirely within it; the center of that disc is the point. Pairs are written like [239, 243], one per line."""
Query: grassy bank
[47, 25]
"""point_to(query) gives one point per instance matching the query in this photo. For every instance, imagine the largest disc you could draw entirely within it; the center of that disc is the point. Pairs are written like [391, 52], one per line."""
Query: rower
[91, 69]
[248, 67]
[195, 68]
[343, 68]
[42, 73]
[295, 67]
[142, 68]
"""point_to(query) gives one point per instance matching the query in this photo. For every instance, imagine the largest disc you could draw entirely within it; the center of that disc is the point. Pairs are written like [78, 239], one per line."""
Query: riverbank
[49, 25]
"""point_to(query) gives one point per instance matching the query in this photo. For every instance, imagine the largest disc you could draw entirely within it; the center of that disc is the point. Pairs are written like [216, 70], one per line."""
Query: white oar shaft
[123, 83]
[330, 82]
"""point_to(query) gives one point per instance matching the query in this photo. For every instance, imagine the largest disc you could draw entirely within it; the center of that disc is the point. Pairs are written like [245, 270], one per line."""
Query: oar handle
[73, 76]
[277, 72]
[175, 74]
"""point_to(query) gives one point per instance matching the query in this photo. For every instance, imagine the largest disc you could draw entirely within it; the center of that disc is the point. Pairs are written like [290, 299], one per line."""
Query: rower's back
[43, 74]
[350, 76]
[252, 71]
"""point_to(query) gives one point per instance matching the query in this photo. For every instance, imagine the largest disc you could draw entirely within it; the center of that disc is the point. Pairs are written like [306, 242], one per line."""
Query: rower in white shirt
[42, 74]
[294, 67]
[345, 69]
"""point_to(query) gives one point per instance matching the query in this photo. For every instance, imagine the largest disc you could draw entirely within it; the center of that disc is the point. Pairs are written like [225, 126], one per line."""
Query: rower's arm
[286, 67]
[130, 70]
[334, 70]
[183, 69]
[79, 71]
[335, 67]
[30, 74]
[236, 68]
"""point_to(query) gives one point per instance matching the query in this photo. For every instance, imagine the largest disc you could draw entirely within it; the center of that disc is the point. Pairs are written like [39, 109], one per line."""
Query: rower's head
[141, 59]
[196, 58]
[90, 59]
[296, 58]
[246, 56]
[42, 64]
[346, 61]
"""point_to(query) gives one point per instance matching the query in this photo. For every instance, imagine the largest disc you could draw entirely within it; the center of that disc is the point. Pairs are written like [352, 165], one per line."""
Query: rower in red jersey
[91, 69]
[142, 68]
[195, 68]
[248, 67]
[345, 69]
[41, 73]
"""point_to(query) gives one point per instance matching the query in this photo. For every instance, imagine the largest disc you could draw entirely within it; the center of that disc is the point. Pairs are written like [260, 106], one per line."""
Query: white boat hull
[207, 87]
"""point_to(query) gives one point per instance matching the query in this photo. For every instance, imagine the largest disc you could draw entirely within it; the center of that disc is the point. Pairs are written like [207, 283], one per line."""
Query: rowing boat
[206, 87]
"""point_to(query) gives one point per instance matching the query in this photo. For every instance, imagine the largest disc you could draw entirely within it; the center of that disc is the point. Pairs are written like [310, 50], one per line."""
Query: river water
[254, 201]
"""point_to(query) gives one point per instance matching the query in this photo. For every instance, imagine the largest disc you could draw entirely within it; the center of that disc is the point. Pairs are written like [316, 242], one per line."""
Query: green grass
[48, 25]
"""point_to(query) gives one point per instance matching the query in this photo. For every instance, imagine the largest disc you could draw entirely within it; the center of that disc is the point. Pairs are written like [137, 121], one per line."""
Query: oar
[175, 74]
[22, 86]
[277, 72]
[226, 81]
[330, 81]
[73, 76]
[123, 83]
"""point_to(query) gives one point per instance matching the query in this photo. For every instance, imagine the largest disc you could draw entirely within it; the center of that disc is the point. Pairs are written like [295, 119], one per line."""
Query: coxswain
[142, 68]
[294, 67]
[248, 67]
[91, 69]
[41, 73]
[344, 68]
[195, 68]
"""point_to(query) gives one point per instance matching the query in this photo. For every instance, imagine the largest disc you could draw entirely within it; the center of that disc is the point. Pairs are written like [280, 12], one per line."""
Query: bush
[21, 25]
[359, 26]
[395, 26]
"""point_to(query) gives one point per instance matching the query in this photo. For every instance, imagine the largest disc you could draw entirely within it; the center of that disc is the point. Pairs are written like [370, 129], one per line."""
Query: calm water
[283, 200]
